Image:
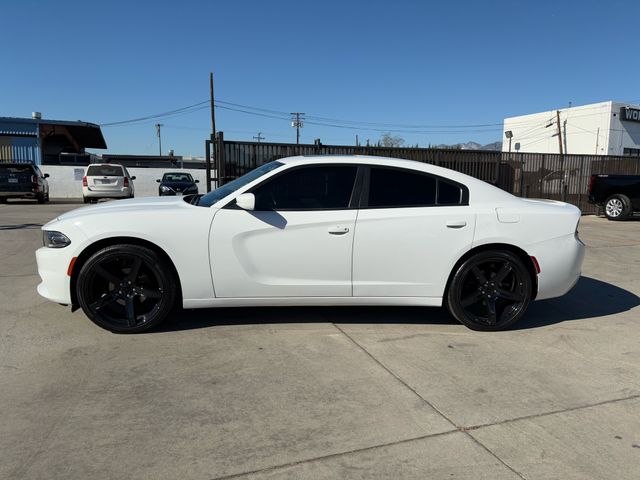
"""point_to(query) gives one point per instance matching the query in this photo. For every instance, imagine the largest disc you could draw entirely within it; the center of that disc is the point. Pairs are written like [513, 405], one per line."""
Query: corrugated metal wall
[19, 142]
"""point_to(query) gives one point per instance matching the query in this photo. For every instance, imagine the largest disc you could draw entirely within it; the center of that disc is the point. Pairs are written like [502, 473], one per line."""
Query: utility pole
[158, 127]
[213, 136]
[213, 112]
[259, 137]
[559, 134]
[297, 122]
[357, 141]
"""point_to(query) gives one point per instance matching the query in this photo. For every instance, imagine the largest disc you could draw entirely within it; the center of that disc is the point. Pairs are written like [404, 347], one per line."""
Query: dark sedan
[177, 183]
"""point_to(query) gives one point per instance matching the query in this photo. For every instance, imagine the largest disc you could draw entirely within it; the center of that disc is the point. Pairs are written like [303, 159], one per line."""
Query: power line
[333, 123]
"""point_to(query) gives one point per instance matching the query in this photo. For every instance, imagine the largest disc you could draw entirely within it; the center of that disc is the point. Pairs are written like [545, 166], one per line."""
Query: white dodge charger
[316, 231]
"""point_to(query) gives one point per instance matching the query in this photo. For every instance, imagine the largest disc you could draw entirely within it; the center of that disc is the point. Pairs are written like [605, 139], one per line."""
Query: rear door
[105, 178]
[411, 229]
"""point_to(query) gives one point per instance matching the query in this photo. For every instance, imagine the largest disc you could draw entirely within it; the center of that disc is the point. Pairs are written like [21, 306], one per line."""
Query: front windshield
[177, 177]
[228, 188]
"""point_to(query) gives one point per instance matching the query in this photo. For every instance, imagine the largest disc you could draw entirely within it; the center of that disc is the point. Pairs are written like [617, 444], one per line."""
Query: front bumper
[52, 268]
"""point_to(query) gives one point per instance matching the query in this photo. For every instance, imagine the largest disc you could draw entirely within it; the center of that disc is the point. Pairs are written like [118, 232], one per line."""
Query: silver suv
[106, 180]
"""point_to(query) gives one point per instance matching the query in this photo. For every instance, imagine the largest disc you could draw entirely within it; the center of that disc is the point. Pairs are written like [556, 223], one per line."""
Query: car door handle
[456, 224]
[338, 230]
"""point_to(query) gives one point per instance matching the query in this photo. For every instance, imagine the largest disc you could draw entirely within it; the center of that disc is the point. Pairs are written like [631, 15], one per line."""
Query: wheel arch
[122, 240]
[519, 252]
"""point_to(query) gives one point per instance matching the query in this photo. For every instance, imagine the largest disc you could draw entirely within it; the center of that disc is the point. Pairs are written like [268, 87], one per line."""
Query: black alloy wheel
[126, 288]
[490, 291]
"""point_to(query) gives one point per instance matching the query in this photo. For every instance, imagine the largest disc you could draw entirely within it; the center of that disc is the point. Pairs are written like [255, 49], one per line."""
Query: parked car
[23, 180]
[334, 230]
[177, 183]
[107, 180]
[618, 194]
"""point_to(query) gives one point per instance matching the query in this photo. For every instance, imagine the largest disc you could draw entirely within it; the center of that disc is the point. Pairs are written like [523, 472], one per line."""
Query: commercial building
[605, 128]
[47, 142]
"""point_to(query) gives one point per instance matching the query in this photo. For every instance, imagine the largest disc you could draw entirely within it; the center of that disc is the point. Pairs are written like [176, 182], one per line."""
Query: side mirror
[246, 201]
[197, 181]
[158, 180]
[133, 178]
[46, 175]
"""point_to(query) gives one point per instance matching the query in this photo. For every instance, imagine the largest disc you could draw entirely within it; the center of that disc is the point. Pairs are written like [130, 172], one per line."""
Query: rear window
[448, 193]
[6, 170]
[104, 171]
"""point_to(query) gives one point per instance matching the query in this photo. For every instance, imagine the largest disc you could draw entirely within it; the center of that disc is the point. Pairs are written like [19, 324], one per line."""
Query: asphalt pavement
[323, 393]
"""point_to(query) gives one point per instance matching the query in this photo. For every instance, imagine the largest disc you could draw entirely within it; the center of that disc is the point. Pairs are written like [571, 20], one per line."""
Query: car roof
[392, 162]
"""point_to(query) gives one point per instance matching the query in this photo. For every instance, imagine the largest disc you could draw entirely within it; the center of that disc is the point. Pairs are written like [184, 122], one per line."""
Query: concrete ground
[323, 392]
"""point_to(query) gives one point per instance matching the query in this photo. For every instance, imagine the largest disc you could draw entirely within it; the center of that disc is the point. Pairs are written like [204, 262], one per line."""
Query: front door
[296, 243]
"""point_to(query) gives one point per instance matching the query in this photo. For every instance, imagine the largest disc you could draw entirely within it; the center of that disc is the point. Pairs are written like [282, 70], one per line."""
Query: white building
[606, 128]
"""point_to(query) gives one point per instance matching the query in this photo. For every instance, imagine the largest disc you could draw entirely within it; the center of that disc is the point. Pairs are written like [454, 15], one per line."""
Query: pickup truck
[23, 180]
[618, 194]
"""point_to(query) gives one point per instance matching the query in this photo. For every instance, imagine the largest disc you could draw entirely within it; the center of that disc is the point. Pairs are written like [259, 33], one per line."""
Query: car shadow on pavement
[589, 298]
[20, 226]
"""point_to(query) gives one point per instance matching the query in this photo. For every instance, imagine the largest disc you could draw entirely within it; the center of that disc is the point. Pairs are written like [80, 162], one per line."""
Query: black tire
[41, 199]
[46, 197]
[617, 207]
[3, 200]
[85, 200]
[491, 281]
[126, 288]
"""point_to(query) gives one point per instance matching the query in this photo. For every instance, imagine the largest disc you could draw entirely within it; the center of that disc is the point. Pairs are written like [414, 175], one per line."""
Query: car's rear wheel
[126, 288]
[617, 207]
[41, 198]
[490, 291]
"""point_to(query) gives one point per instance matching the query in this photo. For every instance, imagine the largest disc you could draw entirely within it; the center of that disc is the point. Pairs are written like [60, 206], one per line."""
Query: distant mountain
[497, 146]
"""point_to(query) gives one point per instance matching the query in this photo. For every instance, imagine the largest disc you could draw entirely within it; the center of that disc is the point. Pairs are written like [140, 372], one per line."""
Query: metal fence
[534, 175]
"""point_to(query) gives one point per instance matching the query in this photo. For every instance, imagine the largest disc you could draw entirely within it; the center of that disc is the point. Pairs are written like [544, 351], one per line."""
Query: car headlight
[164, 188]
[54, 239]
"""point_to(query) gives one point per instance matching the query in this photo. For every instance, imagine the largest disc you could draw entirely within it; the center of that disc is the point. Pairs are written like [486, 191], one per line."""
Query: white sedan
[316, 231]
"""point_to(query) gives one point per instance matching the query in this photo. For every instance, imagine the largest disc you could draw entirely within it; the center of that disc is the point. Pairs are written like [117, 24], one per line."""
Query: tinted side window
[449, 193]
[308, 188]
[400, 188]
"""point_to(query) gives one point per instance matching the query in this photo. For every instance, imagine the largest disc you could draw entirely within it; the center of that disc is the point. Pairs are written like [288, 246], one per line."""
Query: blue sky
[436, 63]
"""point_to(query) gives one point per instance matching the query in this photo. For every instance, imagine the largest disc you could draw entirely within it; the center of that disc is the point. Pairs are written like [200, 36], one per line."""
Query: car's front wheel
[617, 207]
[490, 291]
[126, 288]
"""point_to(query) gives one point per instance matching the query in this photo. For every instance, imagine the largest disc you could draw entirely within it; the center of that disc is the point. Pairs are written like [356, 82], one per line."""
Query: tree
[388, 140]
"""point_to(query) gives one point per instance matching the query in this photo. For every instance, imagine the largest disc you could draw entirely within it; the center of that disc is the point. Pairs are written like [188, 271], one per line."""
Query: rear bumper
[560, 262]
[19, 191]
[123, 192]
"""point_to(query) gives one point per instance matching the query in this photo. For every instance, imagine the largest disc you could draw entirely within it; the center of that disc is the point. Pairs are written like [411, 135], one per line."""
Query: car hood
[144, 204]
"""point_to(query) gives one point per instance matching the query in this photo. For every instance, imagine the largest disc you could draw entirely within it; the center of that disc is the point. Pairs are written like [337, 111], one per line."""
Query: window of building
[632, 152]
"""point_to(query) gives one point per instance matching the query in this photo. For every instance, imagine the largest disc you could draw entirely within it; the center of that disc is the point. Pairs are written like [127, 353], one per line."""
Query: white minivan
[106, 180]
